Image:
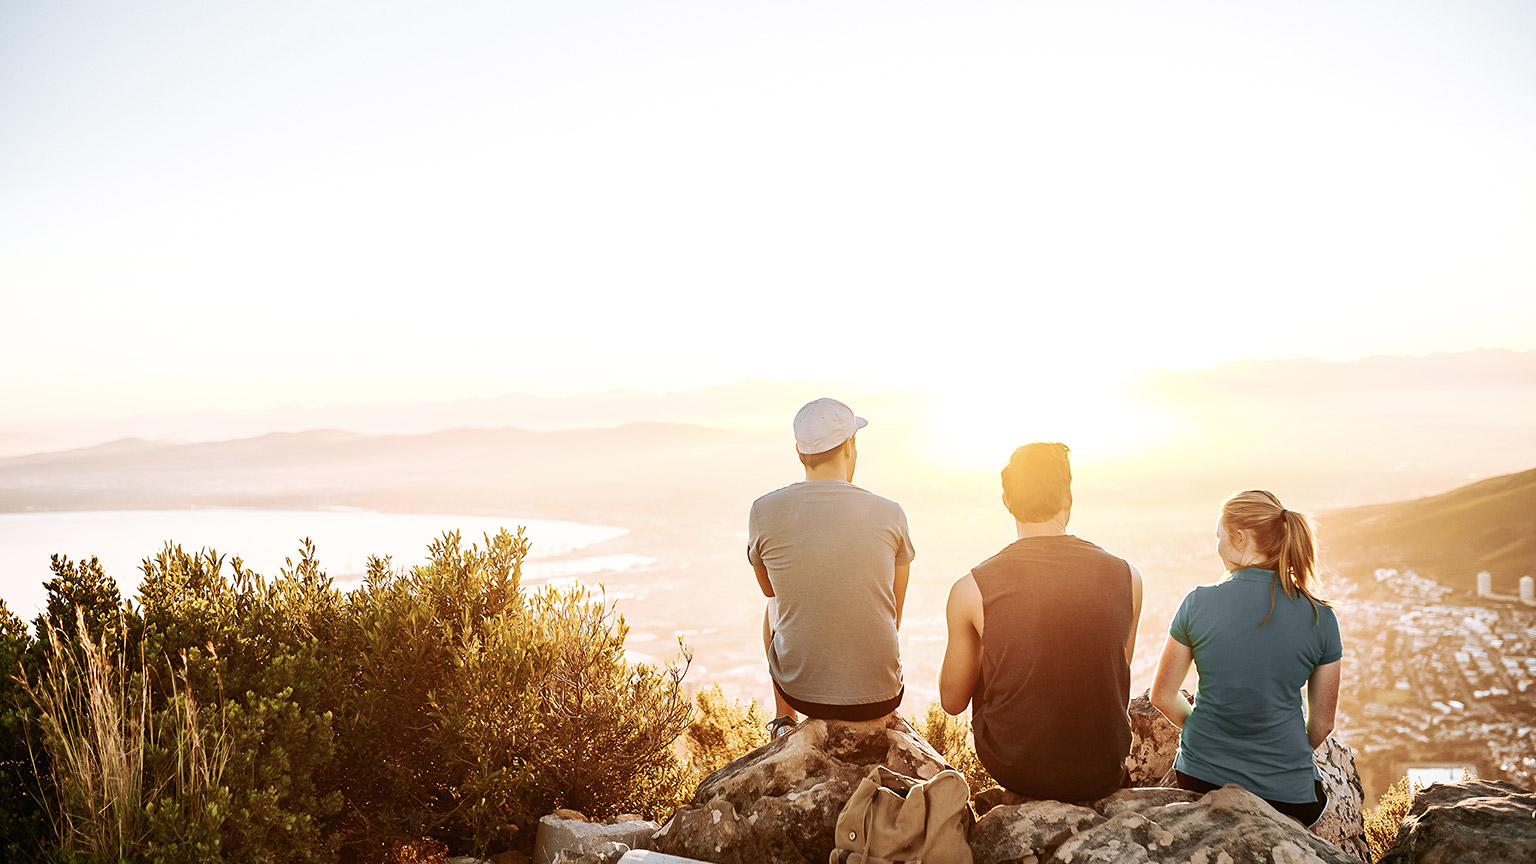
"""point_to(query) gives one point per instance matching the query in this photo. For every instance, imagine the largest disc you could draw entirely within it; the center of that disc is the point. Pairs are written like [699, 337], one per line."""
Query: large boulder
[779, 804]
[1149, 826]
[1474, 820]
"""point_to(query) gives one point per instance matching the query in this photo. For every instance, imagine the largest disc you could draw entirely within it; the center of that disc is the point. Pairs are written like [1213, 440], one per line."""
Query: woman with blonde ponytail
[1256, 638]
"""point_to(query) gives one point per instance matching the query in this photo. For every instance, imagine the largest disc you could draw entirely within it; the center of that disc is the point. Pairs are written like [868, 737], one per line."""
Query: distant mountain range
[638, 468]
[1488, 525]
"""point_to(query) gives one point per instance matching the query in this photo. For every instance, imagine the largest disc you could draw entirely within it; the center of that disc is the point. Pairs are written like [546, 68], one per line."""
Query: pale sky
[231, 206]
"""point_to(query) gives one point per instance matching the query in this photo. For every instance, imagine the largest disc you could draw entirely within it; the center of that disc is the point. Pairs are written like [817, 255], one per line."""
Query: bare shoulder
[965, 592]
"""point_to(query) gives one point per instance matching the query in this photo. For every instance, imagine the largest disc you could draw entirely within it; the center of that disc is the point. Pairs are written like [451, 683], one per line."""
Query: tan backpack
[893, 819]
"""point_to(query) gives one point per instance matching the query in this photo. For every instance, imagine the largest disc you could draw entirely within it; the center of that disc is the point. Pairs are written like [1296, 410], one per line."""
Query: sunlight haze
[221, 207]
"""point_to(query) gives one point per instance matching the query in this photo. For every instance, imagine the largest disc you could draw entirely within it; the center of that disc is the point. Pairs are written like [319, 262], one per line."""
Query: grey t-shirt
[831, 551]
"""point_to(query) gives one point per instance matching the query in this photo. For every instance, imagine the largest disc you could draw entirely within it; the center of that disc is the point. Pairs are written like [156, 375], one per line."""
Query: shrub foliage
[228, 716]
[951, 736]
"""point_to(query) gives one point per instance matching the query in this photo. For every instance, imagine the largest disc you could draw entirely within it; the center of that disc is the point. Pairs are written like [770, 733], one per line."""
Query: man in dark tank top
[1040, 643]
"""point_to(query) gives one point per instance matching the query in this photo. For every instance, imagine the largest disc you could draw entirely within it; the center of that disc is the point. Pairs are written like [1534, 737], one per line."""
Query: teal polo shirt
[1248, 726]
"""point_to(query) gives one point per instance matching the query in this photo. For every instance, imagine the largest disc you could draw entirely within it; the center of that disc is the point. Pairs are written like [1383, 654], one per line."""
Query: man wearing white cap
[833, 560]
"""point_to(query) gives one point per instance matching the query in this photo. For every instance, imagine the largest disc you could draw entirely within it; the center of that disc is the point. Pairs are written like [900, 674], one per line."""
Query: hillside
[1488, 525]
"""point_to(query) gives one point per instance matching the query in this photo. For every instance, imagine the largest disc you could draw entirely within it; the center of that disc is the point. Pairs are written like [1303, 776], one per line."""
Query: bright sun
[979, 428]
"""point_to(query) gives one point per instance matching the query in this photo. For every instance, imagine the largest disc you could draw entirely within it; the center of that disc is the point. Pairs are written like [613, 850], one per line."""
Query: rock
[570, 815]
[1343, 822]
[606, 853]
[466, 859]
[1473, 820]
[645, 856]
[1149, 826]
[1023, 833]
[558, 835]
[1140, 800]
[779, 804]
[1154, 743]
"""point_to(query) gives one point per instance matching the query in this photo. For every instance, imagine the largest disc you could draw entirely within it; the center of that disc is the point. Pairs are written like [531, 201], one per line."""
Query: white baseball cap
[824, 424]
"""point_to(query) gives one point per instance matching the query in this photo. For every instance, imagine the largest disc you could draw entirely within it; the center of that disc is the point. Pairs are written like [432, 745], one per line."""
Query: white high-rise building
[1484, 584]
[1528, 590]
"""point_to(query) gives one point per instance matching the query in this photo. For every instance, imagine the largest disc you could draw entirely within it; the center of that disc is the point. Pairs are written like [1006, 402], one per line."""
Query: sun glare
[980, 428]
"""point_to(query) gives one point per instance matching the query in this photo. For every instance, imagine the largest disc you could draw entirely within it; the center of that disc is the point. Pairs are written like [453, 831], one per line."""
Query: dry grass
[97, 727]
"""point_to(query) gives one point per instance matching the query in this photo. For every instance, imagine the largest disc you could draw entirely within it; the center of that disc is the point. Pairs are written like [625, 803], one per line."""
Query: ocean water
[263, 539]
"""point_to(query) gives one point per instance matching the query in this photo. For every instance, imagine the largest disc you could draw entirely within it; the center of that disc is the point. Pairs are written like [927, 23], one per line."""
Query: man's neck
[829, 471]
[1050, 528]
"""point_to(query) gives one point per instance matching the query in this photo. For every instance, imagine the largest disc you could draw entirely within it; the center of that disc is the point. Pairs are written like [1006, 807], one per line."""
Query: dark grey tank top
[1050, 707]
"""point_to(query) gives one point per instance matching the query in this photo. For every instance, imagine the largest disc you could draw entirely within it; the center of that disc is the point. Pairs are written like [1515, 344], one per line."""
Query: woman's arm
[1322, 702]
[1171, 669]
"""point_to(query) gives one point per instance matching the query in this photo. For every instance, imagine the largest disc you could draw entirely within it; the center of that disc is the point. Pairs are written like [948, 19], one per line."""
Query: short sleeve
[1178, 628]
[1333, 644]
[754, 539]
[905, 552]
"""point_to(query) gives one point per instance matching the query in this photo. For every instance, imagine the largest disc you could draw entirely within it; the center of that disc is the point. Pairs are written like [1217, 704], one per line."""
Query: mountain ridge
[1486, 525]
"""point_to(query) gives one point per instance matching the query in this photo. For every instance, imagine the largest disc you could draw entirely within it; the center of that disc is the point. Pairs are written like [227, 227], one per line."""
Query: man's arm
[962, 653]
[1130, 641]
[1171, 669]
[1322, 702]
[762, 581]
[903, 572]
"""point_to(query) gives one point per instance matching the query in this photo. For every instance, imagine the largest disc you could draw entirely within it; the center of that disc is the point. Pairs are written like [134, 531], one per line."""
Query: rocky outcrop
[570, 834]
[779, 804]
[1474, 820]
[1155, 742]
[1343, 823]
[1148, 826]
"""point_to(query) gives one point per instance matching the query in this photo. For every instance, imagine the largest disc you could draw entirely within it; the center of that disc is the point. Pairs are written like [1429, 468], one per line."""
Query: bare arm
[962, 653]
[1130, 641]
[903, 573]
[1322, 702]
[762, 579]
[1171, 669]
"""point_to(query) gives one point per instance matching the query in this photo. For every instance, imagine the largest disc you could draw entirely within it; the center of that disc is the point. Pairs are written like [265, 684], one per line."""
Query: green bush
[256, 671]
[22, 819]
[723, 730]
[499, 706]
[951, 736]
[225, 716]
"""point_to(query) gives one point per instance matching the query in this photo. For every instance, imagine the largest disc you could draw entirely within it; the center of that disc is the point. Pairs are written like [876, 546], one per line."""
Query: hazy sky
[238, 205]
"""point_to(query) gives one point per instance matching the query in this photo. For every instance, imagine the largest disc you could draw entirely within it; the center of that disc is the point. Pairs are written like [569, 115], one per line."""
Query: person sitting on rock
[833, 560]
[1040, 643]
[1255, 638]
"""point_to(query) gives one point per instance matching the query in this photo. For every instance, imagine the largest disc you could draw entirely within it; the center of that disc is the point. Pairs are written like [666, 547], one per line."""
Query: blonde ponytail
[1285, 540]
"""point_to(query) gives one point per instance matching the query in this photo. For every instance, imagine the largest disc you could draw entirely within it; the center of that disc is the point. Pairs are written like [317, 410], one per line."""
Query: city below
[1438, 681]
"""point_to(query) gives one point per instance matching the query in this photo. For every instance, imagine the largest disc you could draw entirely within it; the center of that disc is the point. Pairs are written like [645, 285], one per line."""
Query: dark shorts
[1306, 814]
[847, 713]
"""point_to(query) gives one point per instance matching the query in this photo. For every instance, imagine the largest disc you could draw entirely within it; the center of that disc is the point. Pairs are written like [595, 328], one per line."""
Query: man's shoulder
[776, 495]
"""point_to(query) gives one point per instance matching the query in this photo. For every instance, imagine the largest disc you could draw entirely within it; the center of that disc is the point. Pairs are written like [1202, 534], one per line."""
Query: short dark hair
[1037, 481]
[816, 460]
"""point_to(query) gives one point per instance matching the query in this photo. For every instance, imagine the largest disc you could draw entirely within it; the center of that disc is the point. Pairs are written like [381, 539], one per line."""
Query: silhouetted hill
[1488, 525]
